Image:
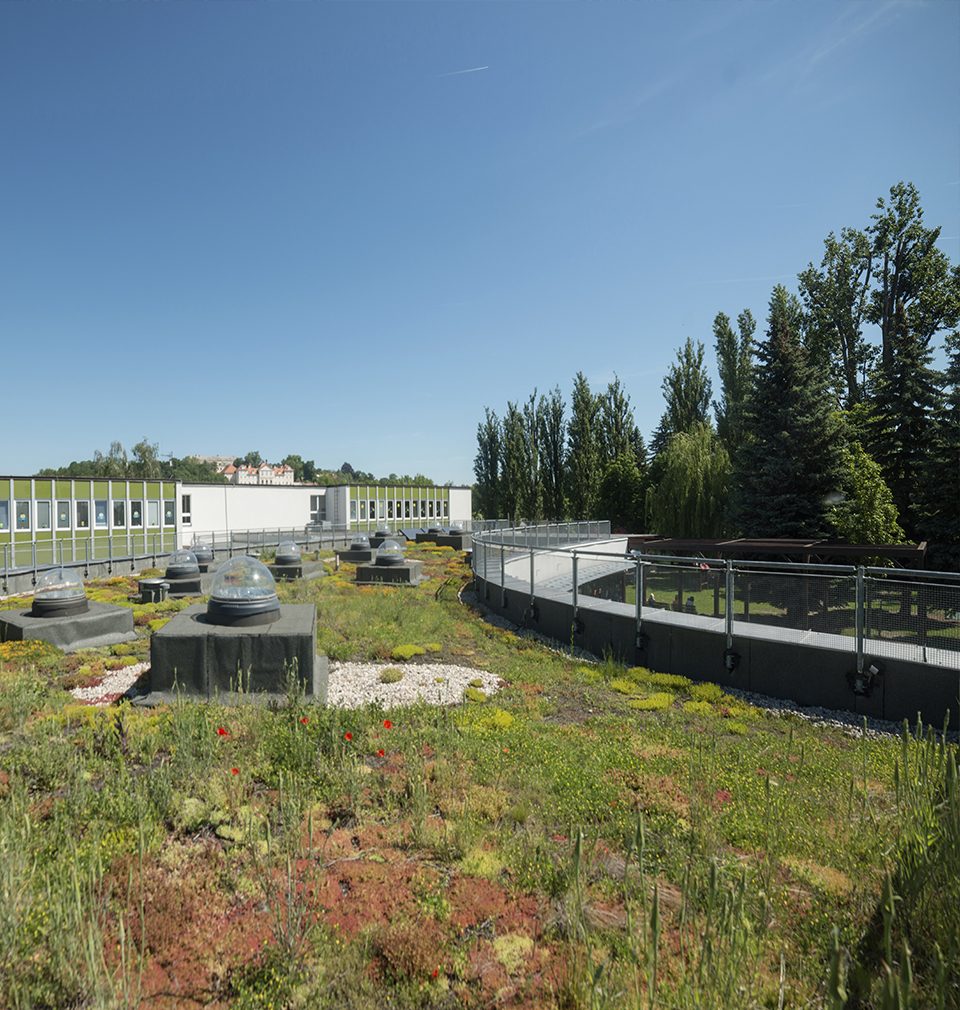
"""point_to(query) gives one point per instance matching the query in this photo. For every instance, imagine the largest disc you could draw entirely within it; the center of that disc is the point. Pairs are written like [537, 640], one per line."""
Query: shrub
[706, 692]
[433, 647]
[474, 694]
[698, 707]
[405, 652]
[652, 703]
[391, 675]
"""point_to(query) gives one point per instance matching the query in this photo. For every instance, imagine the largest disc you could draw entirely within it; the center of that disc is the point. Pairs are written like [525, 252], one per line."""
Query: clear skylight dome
[383, 533]
[456, 526]
[60, 584]
[360, 542]
[181, 563]
[59, 593]
[390, 553]
[243, 592]
[243, 578]
[288, 553]
[435, 529]
[202, 552]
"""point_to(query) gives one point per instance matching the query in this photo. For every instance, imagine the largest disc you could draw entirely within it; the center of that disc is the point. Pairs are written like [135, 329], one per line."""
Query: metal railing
[125, 552]
[880, 612]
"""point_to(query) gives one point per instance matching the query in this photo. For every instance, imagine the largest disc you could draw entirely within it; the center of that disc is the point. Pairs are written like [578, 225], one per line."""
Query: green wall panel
[101, 489]
[153, 489]
[118, 489]
[82, 489]
[21, 489]
[169, 490]
[63, 489]
[43, 488]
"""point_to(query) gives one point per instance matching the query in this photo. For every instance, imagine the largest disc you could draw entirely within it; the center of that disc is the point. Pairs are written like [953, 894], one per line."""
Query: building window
[153, 513]
[373, 509]
[389, 509]
[4, 515]
[446, 510]
[382, 509]
[119, 514]
[430, 508]
[63, 515]
[318, 508]
[136, 513]
[406, 510]
[100, 513]
[43, 515]
[353, 511]
[83, 515]
[363, 509]
[23, 515]
[186, 512]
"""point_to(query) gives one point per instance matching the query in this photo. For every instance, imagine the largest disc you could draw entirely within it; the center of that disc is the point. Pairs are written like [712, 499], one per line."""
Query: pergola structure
[803, 551]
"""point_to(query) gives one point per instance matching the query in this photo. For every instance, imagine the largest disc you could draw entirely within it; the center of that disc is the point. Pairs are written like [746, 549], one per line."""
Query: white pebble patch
[114, 685]
[354, 684]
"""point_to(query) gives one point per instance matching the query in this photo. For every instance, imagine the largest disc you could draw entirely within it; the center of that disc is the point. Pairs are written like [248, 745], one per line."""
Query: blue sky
[301, 227]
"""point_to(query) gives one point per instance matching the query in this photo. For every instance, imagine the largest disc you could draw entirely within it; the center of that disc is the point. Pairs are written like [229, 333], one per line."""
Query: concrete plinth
[428, 538]
[153, 590]
[209, 659]
[458, 541]
[356, 557]
[409, 573]
[185, 585]
[286, 573]
[102, 624]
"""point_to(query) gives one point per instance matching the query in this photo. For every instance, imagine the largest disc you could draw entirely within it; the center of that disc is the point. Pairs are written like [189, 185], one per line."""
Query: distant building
[266, 474]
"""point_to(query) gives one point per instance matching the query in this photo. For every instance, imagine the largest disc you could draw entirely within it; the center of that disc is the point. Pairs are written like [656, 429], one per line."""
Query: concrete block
[208, 659]
[408, 573]
[102, 624]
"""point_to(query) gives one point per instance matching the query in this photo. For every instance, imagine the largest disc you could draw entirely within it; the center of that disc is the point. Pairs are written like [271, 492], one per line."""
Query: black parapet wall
[198, 658]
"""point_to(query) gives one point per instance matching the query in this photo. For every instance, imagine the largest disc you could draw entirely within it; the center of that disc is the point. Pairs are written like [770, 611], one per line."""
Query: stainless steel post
[503, 579]
[859, 619]
[574, 553]
[638, 603]
[728, 603]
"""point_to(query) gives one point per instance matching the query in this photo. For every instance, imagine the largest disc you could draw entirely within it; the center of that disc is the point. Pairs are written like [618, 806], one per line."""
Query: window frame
[49, 523]
[82, 508]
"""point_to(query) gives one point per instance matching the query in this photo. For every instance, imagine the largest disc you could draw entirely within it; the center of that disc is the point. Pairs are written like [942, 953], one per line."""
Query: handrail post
[860, 601]
[503, 578]
[574, 555]
[533, 587]
[728, 592]
[109, 555]
[638, 587]
[33, 545]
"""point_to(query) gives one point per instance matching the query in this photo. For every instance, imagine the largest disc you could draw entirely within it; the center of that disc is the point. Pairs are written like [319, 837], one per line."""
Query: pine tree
[790, 459]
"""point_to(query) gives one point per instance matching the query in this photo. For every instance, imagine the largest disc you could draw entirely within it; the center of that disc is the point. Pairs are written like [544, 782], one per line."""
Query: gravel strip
[114, 685]
[352, 685]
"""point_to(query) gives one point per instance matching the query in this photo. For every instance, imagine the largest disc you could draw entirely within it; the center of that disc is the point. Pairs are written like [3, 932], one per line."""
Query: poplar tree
[790, 459]
[486, 464]
[552, 432]
[514, 461]
[686, 390]
[583, 451]
[617, 428]
[735, 365]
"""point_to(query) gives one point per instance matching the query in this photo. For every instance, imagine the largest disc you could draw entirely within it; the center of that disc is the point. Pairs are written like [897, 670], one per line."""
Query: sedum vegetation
[591, 836]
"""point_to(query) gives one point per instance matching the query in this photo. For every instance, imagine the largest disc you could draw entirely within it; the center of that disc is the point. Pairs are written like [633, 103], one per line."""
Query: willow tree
[690, 499]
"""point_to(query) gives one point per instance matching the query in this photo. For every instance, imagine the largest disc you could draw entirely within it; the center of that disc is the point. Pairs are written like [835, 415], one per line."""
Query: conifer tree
[686, 390]
[790, 459]
[552, 433]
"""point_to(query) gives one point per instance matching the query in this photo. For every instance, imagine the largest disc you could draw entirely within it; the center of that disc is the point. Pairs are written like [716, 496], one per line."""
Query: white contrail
[469, 70]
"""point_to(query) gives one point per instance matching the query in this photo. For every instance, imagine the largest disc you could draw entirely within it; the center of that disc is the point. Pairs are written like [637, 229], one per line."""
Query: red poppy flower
[380, 753]
[348, 736]
[234, 771]
[435, 973]
[506, 750]
[222, 732]
[387, 724]
[304, 720]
